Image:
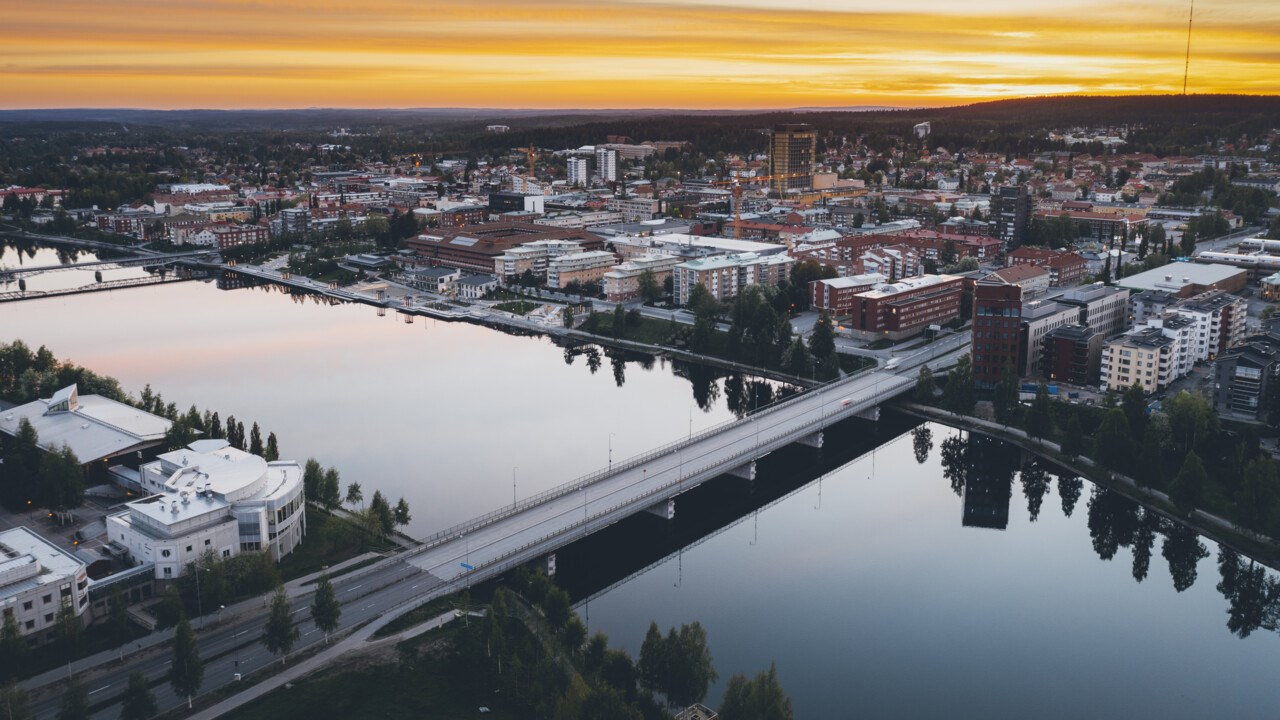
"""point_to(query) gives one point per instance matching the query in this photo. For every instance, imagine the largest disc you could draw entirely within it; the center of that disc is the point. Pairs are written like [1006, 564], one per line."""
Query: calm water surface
[889, 575]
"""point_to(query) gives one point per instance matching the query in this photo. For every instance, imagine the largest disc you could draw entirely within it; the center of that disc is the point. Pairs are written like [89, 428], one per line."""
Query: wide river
[900, 572]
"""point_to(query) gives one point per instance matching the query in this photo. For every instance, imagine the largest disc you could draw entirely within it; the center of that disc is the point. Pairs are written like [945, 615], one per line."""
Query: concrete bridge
[537, 526]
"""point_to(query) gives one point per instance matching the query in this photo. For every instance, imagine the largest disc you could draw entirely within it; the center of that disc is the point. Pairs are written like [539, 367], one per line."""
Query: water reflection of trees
[981, 471]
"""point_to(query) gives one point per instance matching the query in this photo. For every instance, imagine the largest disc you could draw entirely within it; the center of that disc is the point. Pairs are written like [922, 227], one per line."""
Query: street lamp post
[611, 451]
[513, 486]
[199, 595]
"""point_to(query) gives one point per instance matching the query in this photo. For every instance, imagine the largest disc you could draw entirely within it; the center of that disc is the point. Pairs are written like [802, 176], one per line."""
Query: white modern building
[211, 497]
[584, 267]
[623, 281]
[607, 164]
[579, 172]
[725, 276]
[36, 578]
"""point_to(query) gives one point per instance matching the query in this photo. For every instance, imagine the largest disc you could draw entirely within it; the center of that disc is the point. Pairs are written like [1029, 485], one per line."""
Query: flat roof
[94, 428]
[1176, 275]
[32, 561]
[854, 280]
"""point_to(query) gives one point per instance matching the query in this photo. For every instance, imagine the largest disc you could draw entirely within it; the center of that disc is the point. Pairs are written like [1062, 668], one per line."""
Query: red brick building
[229, 236]
[836, 295]
[997, 330]
[1065, 268]
[907, 307]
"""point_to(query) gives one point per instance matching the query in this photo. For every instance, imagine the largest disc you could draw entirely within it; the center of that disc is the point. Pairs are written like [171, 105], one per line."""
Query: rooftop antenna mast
[1187, 63]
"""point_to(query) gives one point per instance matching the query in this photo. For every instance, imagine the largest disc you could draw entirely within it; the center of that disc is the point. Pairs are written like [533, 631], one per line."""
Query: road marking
[353, 588]
[242, 632]
[104, 687]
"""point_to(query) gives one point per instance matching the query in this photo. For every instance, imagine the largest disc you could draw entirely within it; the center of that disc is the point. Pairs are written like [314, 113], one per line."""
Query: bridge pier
[549, 565]
[813, 441]
[746, 472]
[665, 509]
[872, 413]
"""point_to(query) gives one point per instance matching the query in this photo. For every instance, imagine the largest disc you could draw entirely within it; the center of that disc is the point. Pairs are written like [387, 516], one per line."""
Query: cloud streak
[618, 53]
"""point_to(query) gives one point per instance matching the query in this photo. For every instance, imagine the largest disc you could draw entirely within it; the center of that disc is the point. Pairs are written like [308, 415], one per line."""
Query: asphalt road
[233, 645]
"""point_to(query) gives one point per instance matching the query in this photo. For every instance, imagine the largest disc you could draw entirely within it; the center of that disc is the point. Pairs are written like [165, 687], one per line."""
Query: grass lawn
[518, 307]
[434, 689]
[420, 615]
[329, 541]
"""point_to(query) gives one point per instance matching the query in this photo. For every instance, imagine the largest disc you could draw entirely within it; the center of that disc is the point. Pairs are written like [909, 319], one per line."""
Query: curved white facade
[211, 497]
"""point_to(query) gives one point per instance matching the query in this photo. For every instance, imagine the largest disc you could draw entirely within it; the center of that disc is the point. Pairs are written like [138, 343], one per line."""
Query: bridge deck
[536, 527]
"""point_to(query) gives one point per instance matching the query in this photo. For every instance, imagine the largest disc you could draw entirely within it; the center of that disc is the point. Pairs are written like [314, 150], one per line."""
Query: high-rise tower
[791, 155]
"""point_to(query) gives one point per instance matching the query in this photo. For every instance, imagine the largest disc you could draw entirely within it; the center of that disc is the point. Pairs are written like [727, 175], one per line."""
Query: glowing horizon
[619, 54]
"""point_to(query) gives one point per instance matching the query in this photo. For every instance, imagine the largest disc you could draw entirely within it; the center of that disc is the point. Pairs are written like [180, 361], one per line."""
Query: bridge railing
[632, 462]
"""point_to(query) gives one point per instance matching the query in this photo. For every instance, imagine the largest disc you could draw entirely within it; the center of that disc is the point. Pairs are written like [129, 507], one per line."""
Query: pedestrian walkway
[354, 642]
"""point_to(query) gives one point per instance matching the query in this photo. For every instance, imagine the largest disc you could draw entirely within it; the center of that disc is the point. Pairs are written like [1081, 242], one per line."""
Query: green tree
[1073, 438]
[62, 478]
[355, 495]
[1113, 443]
[822, 343]
[1188, 243]
[325, 609]
[691, 668]
[272, 452]
[169, 610]
[13, 648]
[556, 607]
[75, 701]
[330, 490]
[619, 321]
[186, 673]
[1004, 398]
[796, 359]
[957, 396]
[566, 316]
[312, 478]
[575, 634]
[1187, 489]
[1257, 495]
[703, 305]
[137, 703]
[653, 665]
[1134, 404]
[118, 621]
[279, 634]
[925, 386]
[13, 703]
[649, 287]
[761, 698]
[1040, 417]
[383, 515]
[255, 441]
[69, 628]
[401, 512]
[1192, 421]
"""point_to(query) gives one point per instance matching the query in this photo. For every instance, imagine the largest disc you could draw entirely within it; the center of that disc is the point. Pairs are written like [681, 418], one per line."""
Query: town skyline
[623, 54]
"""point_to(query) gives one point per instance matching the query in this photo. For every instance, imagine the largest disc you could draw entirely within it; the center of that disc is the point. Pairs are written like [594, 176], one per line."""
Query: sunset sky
[620, 53]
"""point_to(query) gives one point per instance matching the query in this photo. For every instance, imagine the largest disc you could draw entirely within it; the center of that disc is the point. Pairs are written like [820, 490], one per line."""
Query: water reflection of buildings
[988, 482]
[986, 501]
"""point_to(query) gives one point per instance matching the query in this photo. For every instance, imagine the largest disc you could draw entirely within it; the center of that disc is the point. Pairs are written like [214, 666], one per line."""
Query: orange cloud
[619, 53]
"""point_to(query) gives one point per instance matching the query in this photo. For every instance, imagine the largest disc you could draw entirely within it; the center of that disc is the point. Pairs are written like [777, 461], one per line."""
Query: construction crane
[738, 182]
[532, 154]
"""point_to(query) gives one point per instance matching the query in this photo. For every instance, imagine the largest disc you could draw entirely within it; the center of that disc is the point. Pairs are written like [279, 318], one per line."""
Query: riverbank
[1222, 531]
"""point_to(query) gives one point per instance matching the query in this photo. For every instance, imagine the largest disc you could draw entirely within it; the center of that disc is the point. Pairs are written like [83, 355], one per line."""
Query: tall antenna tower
[1186, 65]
